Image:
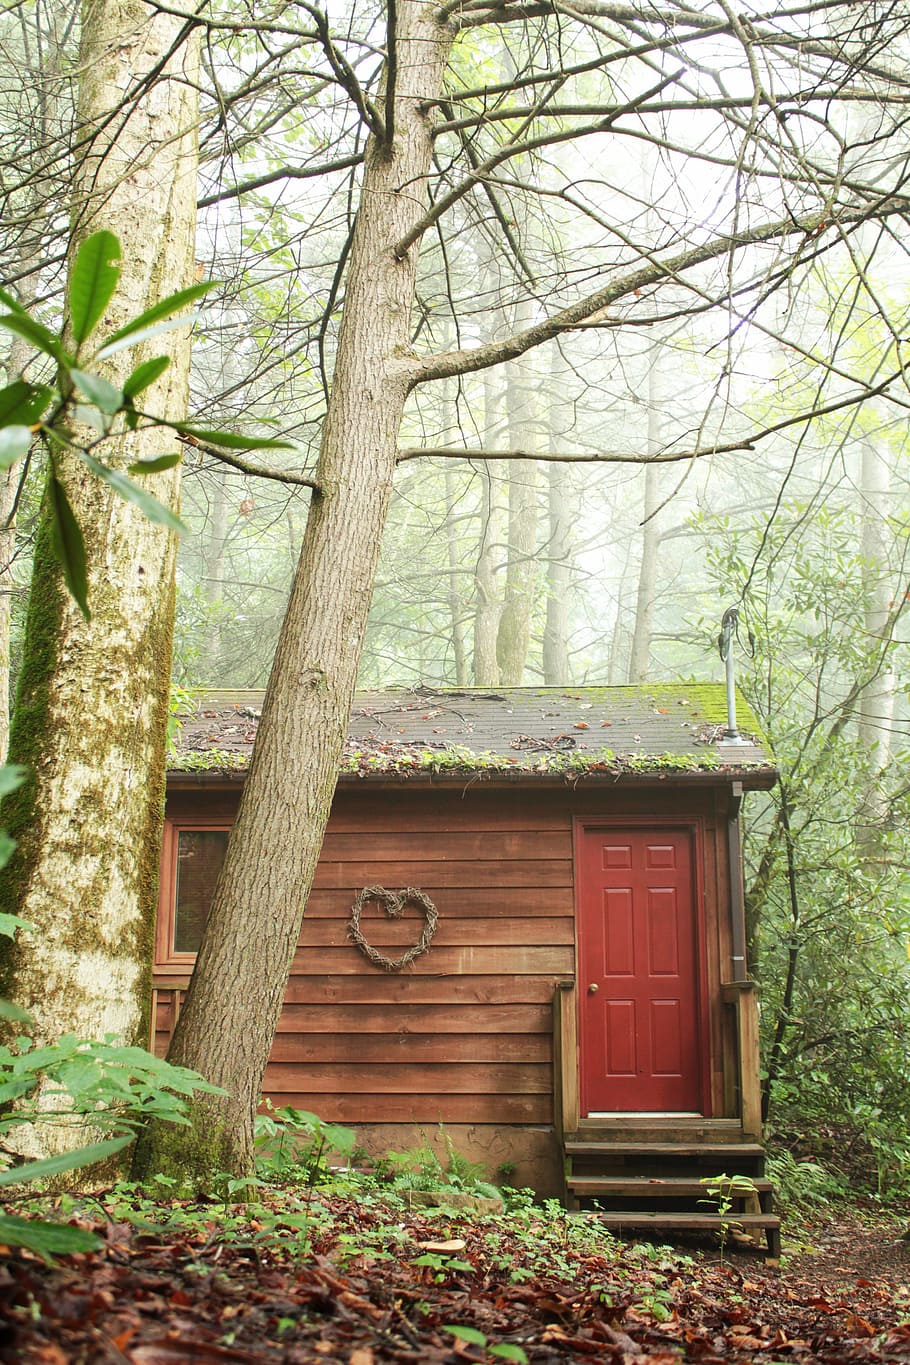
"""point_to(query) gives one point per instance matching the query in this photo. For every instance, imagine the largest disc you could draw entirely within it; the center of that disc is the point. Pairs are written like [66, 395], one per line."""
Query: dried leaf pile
[363, 1284]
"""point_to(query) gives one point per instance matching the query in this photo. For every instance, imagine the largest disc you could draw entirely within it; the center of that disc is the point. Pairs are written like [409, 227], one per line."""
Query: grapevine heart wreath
[393, 902]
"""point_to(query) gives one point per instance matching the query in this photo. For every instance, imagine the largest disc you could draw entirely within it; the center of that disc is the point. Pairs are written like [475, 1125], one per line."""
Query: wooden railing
[742, 995]
[565, 1059]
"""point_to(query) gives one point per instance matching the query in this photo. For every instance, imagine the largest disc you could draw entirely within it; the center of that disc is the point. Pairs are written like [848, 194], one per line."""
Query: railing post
[565, 1060]
[743, 995]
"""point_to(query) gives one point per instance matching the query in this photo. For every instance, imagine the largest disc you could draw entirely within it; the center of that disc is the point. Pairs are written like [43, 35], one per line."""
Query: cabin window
[192, 861]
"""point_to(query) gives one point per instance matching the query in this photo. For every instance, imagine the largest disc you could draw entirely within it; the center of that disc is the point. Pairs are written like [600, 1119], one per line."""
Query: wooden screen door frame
[694, 829]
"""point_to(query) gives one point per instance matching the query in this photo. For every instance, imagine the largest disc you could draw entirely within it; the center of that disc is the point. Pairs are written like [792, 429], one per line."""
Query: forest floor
[341, 1279]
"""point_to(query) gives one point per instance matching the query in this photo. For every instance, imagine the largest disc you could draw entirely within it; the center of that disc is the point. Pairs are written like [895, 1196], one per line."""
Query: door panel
[638, 972]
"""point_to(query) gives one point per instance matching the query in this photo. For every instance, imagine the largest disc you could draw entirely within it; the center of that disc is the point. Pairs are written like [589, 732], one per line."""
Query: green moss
[197, 1157]
[211, 760]
[18, 812]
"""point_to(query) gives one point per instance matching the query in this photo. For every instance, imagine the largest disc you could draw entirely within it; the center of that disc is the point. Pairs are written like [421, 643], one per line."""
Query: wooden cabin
[580, 1016]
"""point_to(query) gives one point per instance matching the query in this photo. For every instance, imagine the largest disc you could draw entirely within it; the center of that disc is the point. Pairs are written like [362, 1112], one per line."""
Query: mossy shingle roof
[655, 729]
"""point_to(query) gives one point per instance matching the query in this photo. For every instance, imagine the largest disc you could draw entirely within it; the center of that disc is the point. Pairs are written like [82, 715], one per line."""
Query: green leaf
[505, 1351]
[10, 302]
[468, 1334]
[98, 391]
[90, 417]
[164, 309]
[93, 280]
[231, 440]
[15, 443]
[45, 1239]
[155, 511]
[145, 374]
[14, 1012]
[146, 334]
[12, 775]
[35, 332]
[23, 403]
[66, 1161]
[156, 465]
[11, 924]
[69, 547]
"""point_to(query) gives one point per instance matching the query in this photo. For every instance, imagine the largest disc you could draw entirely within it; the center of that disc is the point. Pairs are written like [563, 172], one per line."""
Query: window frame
[167, 960]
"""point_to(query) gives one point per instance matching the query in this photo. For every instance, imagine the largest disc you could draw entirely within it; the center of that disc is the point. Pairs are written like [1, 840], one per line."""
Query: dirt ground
[841, 1296]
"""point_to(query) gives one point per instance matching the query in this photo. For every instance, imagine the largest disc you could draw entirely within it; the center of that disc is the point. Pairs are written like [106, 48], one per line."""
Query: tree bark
[514, 635]
[562, 513]
[236, 993]
[875, 713]
[456, 610]
[646, 596]
[487, 604]
[30, 256]
[91, 707]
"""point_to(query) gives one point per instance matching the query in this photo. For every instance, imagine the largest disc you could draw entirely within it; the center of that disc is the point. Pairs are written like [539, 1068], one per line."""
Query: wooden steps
[659, 1178]
[737, 1151]
[768, 1223]
[593, 1186]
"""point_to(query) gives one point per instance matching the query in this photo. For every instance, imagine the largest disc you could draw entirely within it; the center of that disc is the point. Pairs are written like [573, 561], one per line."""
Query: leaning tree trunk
[91, 708]
[236, 993]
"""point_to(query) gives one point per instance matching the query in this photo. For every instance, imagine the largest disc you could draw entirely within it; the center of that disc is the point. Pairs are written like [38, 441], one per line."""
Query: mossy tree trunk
[91, 708]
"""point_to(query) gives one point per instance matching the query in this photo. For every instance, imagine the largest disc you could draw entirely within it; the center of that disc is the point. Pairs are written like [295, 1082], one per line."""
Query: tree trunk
[514, 637]
[91, 708]
[556, 625]
[213, 564]
[875, 712]
[235, 997]
[31, 255]
[562, 514]
[487, 605]
[454, 568]
[646, 596]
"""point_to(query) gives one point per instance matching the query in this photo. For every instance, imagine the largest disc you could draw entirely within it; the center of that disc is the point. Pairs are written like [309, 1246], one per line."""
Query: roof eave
[751, 779]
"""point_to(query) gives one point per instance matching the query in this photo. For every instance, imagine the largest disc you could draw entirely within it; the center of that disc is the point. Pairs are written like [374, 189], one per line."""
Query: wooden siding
[464, 1035]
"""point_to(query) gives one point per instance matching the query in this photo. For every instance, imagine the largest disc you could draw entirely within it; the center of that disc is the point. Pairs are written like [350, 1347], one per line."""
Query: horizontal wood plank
[403, 843]
[468, 902]
[397, 988]
[421, 873]
[451, 931]
[552, 960]
[305, 1050]
[409, 1049]
[402, 1078]
[428, 1108]
[411, 1019]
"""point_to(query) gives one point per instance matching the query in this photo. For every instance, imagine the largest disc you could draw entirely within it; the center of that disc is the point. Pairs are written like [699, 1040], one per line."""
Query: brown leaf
[859, 1326]
[456, 1244]
[170, 1351]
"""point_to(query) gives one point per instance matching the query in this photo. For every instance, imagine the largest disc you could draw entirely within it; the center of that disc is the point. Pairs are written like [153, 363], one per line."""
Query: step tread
[632, 1218]
[720, 1149]
[653, 1185]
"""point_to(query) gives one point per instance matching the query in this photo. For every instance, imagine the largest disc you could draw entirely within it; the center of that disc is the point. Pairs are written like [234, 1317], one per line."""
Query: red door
[638, 972]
